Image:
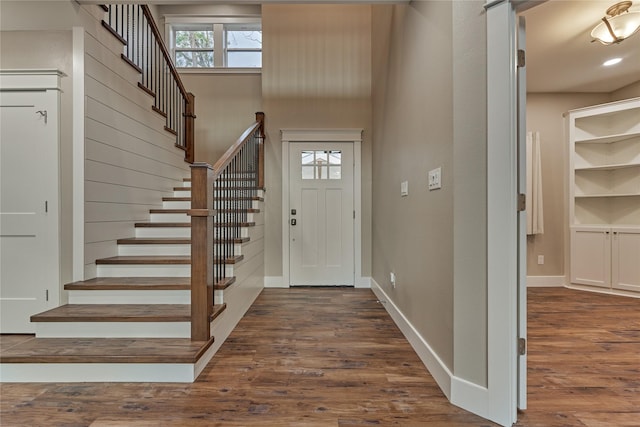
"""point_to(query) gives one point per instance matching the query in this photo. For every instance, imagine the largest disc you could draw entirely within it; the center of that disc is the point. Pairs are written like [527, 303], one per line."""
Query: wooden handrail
[231, 186]
[163, 48]
[228, 156]
[145, 51]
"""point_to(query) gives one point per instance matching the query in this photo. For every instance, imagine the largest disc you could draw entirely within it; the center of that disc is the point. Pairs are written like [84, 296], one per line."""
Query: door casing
[324, 135]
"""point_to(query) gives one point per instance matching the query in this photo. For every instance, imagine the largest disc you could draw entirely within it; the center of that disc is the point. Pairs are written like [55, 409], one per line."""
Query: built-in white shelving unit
[604, 196]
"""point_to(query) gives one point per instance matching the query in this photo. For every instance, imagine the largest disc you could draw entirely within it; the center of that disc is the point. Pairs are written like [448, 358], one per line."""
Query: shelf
[593, 196]
[608, 167]
[608, 139]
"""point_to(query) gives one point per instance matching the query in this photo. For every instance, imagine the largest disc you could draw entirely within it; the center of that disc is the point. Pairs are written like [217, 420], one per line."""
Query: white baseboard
[431, 360]
[460, 392]
[546, 281]
[274, 282]
[363, 282]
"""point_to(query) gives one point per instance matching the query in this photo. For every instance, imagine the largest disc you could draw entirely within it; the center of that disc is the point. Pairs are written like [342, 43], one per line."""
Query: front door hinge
[354, 214]
[522, 346]
[521, 58]
[522, 202]
[46, 295]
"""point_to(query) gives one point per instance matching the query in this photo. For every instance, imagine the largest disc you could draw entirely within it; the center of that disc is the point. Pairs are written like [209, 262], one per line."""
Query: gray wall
[429, 110]
[413, 133]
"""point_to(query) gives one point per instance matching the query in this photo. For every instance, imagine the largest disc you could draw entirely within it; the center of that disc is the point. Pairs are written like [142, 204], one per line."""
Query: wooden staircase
[132, 323]
[148, 314]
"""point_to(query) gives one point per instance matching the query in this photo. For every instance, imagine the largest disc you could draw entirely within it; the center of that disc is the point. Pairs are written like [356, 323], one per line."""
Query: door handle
[293, 221]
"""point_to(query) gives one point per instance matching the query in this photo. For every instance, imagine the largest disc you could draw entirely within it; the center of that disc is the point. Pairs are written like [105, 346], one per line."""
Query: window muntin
[217, 45]
[194, 46]
[321, 164]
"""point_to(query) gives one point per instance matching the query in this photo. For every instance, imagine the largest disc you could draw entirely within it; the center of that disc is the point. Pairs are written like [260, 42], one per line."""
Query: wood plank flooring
[333, 357]
[584, 359]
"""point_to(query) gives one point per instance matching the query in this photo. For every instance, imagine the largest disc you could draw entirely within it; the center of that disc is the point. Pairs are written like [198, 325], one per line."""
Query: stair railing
[144, 50]
[221, 198]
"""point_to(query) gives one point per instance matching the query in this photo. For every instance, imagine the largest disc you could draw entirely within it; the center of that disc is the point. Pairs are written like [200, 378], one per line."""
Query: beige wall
[629, 91]
[316, 74]
[225, 106]
[413, 133]
[50, 49]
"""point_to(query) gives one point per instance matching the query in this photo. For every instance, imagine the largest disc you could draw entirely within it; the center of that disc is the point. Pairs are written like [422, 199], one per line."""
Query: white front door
[321, 214]
[29, 267]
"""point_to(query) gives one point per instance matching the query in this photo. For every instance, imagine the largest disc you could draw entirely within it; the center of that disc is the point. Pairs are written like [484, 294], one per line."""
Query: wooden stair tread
[116, 313]
[256, 198]
[237, 240]
[234, 224]
[162, 224]
[181, 188]
[176, 199]
[106, 350]
[217, 311]
[184, 211]
[145, 259]
[131, 283]
[229, 260]
[250, 210]
[224, 283]
[155, 241]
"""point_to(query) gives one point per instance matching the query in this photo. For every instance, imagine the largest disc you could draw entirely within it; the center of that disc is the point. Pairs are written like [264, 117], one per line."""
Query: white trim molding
[436, 367]
[274, 282]
[546, 281]
[323, 135]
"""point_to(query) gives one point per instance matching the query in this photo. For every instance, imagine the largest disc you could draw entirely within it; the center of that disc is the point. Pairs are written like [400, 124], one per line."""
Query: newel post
[262, 135]
[189, 128]
[201, 213]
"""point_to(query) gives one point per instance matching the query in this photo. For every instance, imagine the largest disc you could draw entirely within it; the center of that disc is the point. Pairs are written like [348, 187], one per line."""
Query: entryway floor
[300, 357]
[333, 357]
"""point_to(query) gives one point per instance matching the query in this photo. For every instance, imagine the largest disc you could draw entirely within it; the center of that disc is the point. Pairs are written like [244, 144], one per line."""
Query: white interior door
[29, 267]
[321, 214]
[522, 221]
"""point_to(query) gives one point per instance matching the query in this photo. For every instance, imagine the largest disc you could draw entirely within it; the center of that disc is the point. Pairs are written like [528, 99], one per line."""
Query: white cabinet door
[625, 259]
[591, 256]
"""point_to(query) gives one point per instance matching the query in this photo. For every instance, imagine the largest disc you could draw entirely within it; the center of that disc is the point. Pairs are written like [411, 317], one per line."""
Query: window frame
[218, 25]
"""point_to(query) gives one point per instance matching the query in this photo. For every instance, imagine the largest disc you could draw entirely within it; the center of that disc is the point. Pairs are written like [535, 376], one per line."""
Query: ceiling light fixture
[618, 25]
[612, 61]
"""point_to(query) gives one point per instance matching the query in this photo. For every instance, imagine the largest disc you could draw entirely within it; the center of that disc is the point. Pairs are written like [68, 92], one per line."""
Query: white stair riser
[165, 250]
[172, 204]
[144, 270]
[152, 232]
[169, 217]
[113, 330]
[130, 297]
[182, 193]
[158, 250]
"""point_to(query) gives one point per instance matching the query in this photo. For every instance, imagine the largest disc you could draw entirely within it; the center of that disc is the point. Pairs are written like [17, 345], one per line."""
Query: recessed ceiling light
[612, 61]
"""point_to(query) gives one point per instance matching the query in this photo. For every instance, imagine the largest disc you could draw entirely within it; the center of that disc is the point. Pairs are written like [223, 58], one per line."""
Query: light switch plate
[435, 179]
[404, 188]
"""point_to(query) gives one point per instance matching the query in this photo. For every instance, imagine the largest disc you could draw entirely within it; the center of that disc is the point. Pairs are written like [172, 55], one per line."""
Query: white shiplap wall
[130, 160]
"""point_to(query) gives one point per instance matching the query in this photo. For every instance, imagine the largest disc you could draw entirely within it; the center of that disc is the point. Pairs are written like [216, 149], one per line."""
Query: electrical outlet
[392, 279]
[435, 179]
[540, 259]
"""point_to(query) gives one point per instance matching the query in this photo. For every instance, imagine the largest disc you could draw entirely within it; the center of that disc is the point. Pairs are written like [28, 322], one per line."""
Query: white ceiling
[561, 57]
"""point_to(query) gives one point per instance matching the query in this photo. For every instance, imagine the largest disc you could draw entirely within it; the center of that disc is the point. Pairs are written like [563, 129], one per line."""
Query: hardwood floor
[332, 357]
[584, 359]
